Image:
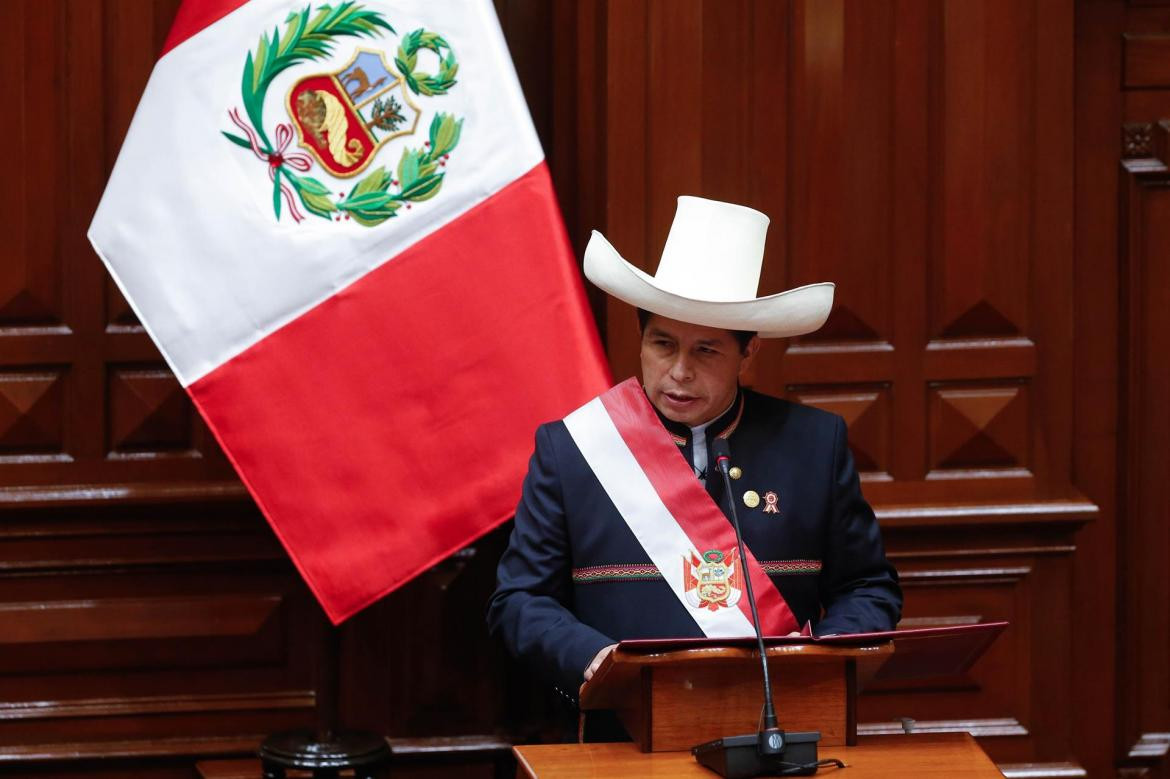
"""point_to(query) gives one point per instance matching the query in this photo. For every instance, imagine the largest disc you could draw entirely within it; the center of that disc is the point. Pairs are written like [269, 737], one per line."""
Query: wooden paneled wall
[985, 180]
[925, 169]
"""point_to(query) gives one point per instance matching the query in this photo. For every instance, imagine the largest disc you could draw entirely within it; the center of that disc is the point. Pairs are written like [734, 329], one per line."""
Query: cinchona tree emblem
[344, 118]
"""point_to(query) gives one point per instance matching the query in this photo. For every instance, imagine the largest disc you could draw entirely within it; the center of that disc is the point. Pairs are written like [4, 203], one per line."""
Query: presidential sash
[675, 520]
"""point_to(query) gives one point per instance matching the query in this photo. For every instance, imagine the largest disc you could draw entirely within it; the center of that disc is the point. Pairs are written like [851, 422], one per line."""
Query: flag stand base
[367, 754]
[326, 750]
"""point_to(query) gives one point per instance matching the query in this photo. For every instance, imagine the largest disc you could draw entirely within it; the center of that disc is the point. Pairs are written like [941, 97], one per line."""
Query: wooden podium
[674, 699]
[673, 694]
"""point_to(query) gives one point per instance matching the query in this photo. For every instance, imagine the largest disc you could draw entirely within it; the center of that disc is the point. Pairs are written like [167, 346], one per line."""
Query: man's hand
[592, 669]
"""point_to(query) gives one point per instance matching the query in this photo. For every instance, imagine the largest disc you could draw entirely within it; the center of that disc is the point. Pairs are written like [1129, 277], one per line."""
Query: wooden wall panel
[147, 630]
[815, 227]
[978, 425]
[983, 173]
[1147, 61]
[84, 396]
[925, 154]
[992, 700]
[1121, 78]
[867, 411]
[1095, 412]
[1145, 585]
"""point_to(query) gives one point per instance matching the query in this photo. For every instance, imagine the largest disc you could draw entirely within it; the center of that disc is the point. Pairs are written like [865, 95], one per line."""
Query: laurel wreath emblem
[407, 61]
[310, 36]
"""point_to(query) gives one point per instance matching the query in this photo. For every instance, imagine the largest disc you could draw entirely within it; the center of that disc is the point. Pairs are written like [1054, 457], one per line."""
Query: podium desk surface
[927, 755]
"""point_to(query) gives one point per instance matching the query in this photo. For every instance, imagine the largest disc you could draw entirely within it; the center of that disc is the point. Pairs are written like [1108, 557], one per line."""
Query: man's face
[690, 371]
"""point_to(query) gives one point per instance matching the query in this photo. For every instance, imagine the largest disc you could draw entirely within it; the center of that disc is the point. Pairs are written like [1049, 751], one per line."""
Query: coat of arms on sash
[346, 116]
[714, 580]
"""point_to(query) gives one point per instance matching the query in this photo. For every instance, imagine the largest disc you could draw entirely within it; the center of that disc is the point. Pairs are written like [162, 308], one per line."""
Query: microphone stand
[770, 752]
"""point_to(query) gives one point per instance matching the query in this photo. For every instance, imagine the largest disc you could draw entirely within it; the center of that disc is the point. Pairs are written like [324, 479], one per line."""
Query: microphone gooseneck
[769, 751]
[771, 737]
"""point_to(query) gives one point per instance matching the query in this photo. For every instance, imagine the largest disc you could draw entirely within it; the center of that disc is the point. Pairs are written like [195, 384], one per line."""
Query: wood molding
[133, 494]
[979, 728]
[990, 575]
[991, 551]
[121, 619]
[156, 705]
[145, 551]
[1063, 770]
[244, 744]
[1148, 756]
[1151, 746]
[443, 746]
[1075, 511]
[1147, 61]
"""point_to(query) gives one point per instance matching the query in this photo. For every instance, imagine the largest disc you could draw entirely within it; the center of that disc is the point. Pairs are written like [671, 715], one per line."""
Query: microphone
[771, 737]
[775, 753]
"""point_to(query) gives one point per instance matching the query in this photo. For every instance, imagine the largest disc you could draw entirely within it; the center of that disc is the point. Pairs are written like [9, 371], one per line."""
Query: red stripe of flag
[391, 425]
[194, 16]
[686, 500]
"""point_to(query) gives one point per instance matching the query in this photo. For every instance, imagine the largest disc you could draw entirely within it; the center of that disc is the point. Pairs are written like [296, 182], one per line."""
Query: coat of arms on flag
[712, 581]
[344, 118]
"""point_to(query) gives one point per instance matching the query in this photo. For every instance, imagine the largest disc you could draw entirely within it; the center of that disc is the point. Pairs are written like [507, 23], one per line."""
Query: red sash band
[685, 498]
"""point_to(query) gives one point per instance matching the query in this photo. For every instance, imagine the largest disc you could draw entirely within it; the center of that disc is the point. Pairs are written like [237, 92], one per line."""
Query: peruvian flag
[335, 220]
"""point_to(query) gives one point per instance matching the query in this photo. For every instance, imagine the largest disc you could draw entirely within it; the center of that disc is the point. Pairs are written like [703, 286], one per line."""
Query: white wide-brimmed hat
[709, 274]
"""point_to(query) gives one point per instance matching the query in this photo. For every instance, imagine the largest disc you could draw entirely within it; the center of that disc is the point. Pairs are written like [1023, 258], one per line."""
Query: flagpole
[328, 680]
[326, 750]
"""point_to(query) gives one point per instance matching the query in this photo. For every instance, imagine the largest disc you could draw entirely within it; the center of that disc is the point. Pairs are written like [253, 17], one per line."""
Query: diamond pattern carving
[149, 411]
[981, 319]
[978, 426]
[844, 325]
[866, 411]
[21, 305]
[31, 412]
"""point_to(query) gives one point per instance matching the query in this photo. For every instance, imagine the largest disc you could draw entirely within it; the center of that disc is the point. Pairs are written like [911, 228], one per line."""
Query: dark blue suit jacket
[575, 579]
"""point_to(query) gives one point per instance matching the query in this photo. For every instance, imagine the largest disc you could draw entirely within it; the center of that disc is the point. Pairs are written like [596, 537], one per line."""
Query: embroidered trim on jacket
[615, 573]
[631, 572]
[781, 567]
[735, 422]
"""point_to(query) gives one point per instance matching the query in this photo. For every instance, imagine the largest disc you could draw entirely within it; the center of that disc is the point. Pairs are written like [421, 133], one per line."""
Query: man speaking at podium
[622, 533]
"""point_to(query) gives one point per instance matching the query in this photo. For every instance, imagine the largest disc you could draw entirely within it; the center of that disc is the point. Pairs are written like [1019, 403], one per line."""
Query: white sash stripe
[638, 503]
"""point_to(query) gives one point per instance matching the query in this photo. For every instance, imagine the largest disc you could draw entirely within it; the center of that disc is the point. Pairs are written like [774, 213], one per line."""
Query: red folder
[918, 654]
